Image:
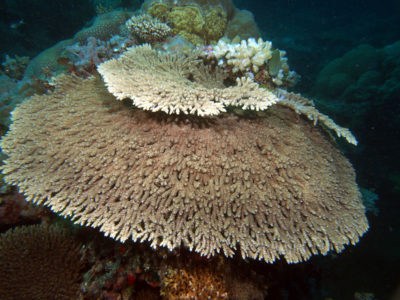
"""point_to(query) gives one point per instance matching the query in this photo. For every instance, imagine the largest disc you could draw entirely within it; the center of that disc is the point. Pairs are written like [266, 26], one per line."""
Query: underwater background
[347, 54]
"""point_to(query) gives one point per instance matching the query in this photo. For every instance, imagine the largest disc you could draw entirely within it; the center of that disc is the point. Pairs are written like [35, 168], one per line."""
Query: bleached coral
[254, 58]
[245, 56]
[147, 28]
[177, 84]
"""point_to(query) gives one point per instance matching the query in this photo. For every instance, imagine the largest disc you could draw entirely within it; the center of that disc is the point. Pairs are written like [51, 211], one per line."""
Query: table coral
[266, 185]
[178, 84]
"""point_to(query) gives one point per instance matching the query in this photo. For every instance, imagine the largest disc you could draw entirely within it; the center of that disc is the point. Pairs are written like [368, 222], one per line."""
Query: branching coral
[39, 262]
[147, 28]
[178, 84]
[265, 186]
[245, 56]
[255, 59]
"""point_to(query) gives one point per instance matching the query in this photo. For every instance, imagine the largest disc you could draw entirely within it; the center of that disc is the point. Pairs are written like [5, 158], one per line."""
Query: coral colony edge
[188, 141]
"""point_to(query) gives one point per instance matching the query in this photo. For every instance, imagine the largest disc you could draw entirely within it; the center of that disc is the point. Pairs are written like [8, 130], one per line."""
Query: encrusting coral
[39, 262]
[265, 185]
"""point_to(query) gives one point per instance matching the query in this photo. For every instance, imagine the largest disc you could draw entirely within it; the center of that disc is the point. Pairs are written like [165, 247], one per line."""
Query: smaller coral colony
[206, 158]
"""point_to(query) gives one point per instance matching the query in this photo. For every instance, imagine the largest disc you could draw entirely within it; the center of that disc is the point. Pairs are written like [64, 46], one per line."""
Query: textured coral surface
[178, 84]
[200, 22]
[147, 28]
[39, 262]
[193, 283]
[266, 186]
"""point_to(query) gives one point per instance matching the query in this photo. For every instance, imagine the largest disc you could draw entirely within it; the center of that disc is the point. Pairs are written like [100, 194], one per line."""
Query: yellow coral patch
[159, 10]
[216, 21]
[191, 37]
[187, 18]
[199, 24]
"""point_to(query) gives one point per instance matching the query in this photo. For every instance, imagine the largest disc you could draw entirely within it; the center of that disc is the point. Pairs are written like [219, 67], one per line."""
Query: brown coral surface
[39, 262]
[195, 283]
[191, 277]
[265, 186]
